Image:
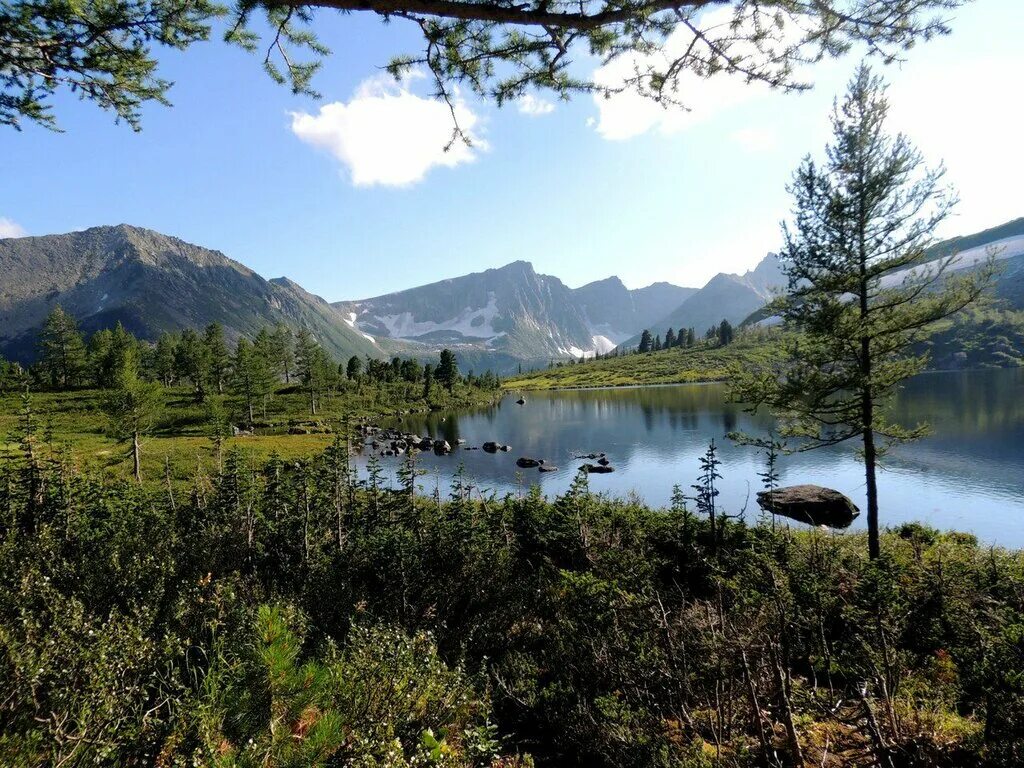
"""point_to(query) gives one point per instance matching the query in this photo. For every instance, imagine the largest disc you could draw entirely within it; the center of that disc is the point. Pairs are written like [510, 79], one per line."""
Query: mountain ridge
[150, 283]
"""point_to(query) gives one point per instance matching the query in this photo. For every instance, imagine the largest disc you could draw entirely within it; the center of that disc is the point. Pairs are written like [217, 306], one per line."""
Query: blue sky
[351, 197]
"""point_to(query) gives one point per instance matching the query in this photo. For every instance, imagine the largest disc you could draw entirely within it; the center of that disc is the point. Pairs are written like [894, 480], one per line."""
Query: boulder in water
[526, 463]
[598, 469]
[811, 504]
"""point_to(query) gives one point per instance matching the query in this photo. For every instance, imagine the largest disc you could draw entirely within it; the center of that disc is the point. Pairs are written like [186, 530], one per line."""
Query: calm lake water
[967, 475]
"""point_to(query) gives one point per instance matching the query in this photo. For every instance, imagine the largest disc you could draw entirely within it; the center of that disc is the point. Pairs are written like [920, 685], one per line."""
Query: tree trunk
[136, 454]
[250, 412]
[870, 459]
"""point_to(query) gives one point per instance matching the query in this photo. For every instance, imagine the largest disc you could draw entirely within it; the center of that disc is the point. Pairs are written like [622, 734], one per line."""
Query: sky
[353, 196]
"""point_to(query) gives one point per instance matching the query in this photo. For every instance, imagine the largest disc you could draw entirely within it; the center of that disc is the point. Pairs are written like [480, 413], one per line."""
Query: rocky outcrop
[811, 504]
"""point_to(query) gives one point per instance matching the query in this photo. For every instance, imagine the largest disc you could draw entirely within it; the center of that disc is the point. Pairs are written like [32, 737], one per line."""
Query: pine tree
[191, 361]
[62, 351]
[645, 341]
[251, 376]
[725, 333]
[670, 339]
[282, 350]
[354, 367]
[447, 372]
[132, 408]
[691, 337]
[313, 366]
[428, 380]
[868, 213]
[108, 354]
[163, 358]
[217, 355]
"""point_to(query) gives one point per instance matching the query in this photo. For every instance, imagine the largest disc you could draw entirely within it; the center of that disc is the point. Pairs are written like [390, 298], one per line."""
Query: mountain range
[499, 319]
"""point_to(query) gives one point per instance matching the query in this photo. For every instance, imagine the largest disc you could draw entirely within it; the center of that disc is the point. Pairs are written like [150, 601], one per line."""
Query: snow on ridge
[603, 345]
[1007, 248]
[574, 351]
[404, 325]
[351, 319]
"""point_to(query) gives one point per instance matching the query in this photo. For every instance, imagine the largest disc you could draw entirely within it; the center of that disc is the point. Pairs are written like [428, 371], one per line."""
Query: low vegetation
[704, 361]
[287, 613]
[168, 409]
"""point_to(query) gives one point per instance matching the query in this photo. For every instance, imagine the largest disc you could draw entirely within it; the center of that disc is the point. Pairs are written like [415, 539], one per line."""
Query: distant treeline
[716, 336]
[203, 360]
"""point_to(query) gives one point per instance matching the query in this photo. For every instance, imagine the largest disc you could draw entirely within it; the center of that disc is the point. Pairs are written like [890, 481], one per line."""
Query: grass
[74, 423]
[668, 366]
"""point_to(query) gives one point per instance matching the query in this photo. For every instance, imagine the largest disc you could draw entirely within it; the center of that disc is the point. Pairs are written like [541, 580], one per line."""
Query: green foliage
[192, 362]
[133, 406]
[290, 614]
[251, 376]
[679, 364]
[447, 371]
[218, 359]
[861, 218]
[62, 350]
[103, 50]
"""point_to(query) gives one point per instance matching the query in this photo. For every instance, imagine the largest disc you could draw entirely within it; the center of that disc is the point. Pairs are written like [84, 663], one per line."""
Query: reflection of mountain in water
[967, 474]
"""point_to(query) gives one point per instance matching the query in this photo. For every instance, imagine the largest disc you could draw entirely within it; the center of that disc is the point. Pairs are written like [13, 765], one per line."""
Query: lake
[967, 475]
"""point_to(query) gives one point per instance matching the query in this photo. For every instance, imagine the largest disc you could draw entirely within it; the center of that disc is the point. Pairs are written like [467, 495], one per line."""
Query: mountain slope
[510, 312]
[150, 283]
[614, 313]
[726, 296]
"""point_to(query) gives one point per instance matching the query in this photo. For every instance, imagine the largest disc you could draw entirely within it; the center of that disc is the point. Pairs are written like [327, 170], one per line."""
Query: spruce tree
[859, 297]
[354, 367]
[670, 339]
[725, 333]
[645, 341]
[428, 380]
[447, 372]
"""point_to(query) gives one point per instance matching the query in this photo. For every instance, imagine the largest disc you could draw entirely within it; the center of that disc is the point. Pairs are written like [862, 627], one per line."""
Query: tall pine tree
[859, 298]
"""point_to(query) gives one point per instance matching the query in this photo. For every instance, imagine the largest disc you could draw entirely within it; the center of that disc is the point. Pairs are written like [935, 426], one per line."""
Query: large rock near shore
[811, 504]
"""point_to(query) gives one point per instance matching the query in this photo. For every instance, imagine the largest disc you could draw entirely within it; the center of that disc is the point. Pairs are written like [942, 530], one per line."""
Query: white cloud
[629, 113]
[10, 228]
[388, 135]
[533, 106]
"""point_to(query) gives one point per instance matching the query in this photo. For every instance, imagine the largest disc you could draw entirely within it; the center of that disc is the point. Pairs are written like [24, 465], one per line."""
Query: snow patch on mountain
[477, 323]
[603, 345]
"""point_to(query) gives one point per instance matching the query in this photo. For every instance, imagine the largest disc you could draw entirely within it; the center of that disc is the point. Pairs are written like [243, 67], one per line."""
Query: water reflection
[969, 474]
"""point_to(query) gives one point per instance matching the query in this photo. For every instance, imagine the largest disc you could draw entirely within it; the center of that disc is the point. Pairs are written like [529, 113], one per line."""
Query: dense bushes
[284, 614]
